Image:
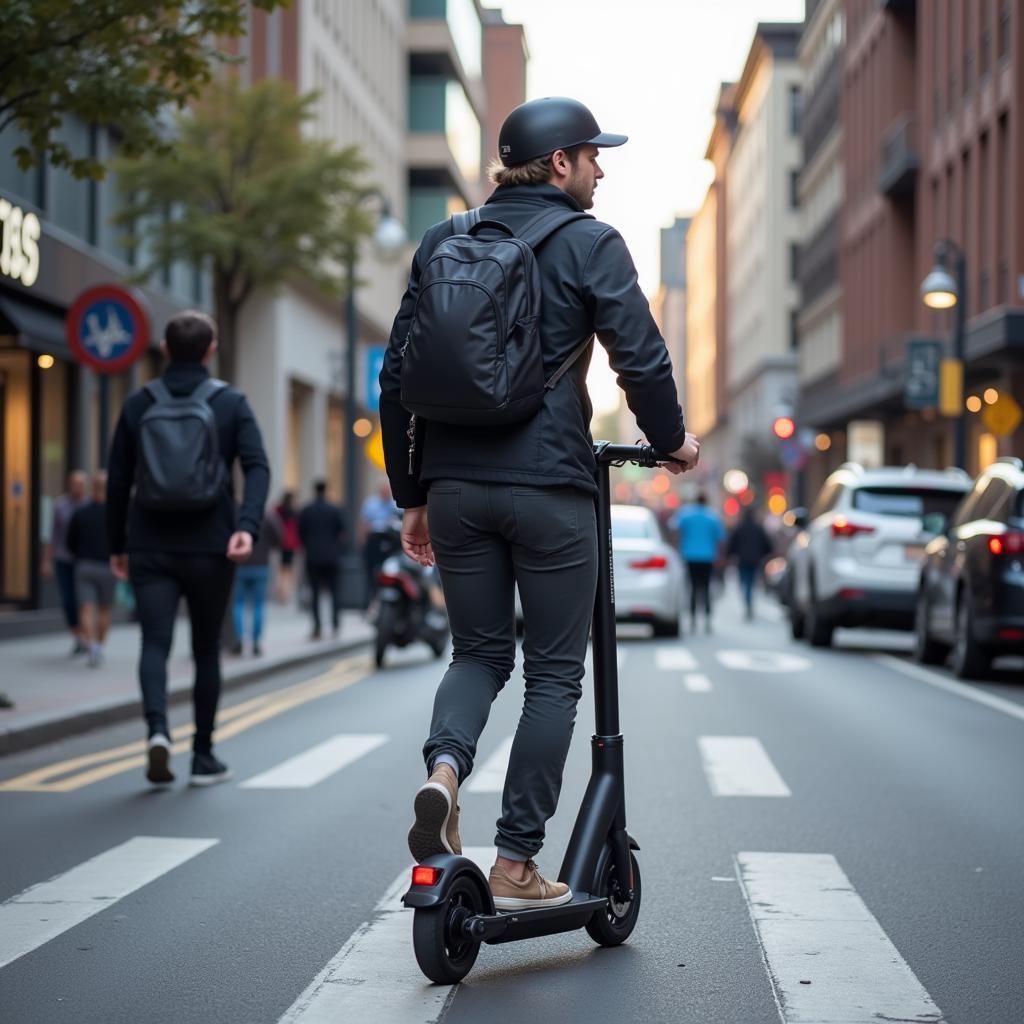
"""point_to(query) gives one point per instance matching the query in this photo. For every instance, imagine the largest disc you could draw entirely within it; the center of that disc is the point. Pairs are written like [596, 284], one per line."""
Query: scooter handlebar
[646, 455]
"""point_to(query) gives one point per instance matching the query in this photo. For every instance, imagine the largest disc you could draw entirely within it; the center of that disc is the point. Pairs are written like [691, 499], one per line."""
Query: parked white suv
[856, 560]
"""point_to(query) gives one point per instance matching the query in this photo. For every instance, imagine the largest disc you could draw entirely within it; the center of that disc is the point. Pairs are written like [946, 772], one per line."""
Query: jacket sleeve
[120, 475]
[637, 353]
[255, 467]
[394, 419]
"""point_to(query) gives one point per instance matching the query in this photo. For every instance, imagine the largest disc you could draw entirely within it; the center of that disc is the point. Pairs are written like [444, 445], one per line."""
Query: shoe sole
[209, 780]
[158, 770]
[433, 808]
[513, 903]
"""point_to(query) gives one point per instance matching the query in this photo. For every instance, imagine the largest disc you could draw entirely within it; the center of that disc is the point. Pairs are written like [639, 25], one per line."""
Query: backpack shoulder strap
[159, 391]
[462, 222]
[547, 223]
[209, 389]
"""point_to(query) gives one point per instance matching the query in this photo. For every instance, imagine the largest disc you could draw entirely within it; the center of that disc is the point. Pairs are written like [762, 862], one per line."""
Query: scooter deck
[511, 925]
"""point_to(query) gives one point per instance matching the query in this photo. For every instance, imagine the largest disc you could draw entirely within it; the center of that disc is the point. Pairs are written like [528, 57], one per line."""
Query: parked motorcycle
[407, 612]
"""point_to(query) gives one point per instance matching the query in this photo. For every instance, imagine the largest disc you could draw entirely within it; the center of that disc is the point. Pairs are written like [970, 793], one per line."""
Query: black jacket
[749, 543]
[589, 285]
[130, 528]
[322, 530]
[87, 533]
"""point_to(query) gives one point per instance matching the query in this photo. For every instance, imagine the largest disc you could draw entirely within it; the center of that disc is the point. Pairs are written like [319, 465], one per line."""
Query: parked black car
[971, 594]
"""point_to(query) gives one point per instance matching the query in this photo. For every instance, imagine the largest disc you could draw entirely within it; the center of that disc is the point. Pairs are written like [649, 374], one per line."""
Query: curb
[15, 739]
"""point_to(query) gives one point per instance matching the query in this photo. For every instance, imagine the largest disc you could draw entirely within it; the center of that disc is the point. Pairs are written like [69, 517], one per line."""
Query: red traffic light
[783, 427]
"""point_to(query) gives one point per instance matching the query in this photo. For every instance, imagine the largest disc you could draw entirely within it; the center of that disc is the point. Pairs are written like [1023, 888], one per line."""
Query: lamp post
[944, 290]
[389, 240]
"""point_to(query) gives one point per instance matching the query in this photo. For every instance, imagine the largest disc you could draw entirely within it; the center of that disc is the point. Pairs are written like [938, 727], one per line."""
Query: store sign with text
[19, 243]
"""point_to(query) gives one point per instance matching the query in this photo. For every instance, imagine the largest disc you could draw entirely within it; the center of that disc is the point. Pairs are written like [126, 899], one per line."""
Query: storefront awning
[36, 328]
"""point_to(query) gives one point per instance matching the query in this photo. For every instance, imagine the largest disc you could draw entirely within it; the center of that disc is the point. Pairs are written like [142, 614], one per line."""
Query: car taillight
[654, 562]
[1007, 543]
[842, 527]
[387, 580]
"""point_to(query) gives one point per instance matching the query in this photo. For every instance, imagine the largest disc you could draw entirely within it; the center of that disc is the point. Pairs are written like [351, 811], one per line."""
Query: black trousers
[324, 577]
[487, 538]
[700, 586]
[160, 581]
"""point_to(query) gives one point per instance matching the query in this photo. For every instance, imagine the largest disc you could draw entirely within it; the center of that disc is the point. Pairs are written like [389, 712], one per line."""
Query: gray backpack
[179, 464]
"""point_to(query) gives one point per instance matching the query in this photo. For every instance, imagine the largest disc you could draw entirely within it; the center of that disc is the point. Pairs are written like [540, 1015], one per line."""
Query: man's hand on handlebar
[686, 457]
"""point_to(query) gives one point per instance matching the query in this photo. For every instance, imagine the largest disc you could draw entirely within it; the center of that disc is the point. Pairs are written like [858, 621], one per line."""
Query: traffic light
[783, 427]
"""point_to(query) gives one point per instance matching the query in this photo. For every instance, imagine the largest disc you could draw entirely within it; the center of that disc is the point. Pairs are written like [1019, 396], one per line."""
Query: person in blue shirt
[700, 535]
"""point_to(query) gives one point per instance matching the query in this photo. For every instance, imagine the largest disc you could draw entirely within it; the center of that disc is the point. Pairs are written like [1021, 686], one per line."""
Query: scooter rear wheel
[444, 954]
[612, 925]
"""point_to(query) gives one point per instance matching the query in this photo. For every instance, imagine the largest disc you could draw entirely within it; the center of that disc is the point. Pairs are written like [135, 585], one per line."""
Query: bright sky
[650, 69]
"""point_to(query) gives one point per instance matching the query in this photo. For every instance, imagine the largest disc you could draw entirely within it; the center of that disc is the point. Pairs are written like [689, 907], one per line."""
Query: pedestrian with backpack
[174, 528]
[485, 416]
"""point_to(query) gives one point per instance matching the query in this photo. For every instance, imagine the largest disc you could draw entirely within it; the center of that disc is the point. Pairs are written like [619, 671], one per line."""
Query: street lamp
[942, 289]
[389, 239]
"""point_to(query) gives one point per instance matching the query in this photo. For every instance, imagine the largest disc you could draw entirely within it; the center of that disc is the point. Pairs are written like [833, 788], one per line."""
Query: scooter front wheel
[614, 923]
[445, 954]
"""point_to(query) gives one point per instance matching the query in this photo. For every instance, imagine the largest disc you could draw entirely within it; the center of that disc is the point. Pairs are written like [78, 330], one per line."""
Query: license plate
[914, 552]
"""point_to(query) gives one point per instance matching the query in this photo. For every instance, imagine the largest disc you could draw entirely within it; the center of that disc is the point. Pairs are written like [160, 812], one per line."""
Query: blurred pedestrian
[750, 545]
[322, 530]
[379, 528]
[700, 535]
[251, 581]
[59, 562]
[95, 583]
[180, 533]
[288, 517]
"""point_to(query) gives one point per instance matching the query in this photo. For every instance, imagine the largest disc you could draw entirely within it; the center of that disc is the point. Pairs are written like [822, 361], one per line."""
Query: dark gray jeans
[487, 537]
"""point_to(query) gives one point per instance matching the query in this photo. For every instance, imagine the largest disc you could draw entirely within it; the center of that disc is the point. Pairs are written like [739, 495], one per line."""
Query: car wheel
[819, 628]
[797, 623]
[926, 650]
[971, 660]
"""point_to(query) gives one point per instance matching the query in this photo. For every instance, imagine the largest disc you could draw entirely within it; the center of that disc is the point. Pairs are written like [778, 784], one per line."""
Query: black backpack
[179, 463]
[472, 355]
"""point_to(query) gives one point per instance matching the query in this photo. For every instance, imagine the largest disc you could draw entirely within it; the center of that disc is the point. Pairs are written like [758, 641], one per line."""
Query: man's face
[584, 177]
[76, 486]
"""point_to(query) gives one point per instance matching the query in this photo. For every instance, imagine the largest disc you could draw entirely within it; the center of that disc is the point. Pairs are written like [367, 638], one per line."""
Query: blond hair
[533, 172]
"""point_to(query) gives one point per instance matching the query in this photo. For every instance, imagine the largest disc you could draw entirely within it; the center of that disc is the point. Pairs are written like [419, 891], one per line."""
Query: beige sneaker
[436, 828]
[533, 891]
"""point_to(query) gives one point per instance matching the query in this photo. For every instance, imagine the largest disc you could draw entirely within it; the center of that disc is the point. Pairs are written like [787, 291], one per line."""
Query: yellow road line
[66, 776]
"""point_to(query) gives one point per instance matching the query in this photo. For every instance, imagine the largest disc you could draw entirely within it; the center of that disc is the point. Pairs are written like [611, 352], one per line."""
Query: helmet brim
[607, 139]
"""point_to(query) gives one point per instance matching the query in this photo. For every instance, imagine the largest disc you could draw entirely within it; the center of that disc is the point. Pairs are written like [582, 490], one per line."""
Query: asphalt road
[826, 836]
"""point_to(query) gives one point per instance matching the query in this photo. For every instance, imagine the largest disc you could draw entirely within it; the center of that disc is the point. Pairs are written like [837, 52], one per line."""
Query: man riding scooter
[513, 502]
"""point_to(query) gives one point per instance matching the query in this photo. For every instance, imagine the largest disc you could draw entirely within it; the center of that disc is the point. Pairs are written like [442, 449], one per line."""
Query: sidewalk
[55, 695]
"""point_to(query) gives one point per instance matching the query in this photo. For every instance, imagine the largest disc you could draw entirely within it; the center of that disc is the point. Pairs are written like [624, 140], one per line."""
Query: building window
[26, 185]
[794, 329]
[794, 190]
[794, 109]
[1004, 30]
[71, 202]
[794, 261]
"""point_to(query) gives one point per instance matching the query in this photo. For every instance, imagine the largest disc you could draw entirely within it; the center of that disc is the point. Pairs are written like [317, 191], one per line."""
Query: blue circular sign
[108, 328]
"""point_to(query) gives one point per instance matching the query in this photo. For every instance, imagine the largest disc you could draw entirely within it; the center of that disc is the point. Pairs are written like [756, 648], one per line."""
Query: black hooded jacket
[589, 285]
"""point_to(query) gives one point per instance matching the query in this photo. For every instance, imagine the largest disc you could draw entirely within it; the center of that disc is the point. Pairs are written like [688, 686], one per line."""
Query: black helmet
[541, 126]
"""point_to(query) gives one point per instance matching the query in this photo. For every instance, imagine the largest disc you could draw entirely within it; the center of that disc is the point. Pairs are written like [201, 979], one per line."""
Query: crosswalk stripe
[317, 763]
[674, 659]
[739, 766]
[44, 911]
[697, 682]
[374, 976]
[490, 776]
[829, 959]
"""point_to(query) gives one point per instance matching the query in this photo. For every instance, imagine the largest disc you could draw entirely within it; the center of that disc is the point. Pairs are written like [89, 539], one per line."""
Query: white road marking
[739, 766]
[44, 911]
[490, 776]
[374, 976]
[979, 696]
[828, 958]
[317, 763]
[763, 661]
[672, 659]
[697, 682]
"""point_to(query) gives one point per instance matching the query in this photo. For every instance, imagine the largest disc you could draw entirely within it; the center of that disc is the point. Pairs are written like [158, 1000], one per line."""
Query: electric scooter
[454, 910]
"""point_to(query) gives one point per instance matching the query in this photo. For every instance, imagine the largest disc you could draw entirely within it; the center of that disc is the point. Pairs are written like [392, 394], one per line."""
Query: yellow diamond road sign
[1003, 416]
[375, 449]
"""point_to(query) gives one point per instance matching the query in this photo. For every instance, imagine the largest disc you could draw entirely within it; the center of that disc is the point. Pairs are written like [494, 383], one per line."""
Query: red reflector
[425, 876]
[1010, 634]
[842, 527]
[654, 562]
[850, 594]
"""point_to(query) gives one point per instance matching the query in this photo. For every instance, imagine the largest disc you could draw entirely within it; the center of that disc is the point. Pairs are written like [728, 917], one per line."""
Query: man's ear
[210, 352]
[163, 348]
[561, 167]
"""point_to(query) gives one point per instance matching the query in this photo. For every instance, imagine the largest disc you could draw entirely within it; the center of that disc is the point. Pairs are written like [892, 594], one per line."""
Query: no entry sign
[108, 328]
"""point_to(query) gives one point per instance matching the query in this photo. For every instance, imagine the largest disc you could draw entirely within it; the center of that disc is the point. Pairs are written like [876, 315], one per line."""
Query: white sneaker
[158, 769]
